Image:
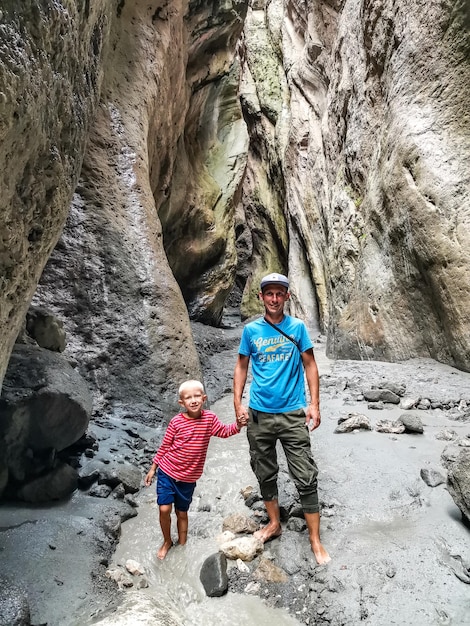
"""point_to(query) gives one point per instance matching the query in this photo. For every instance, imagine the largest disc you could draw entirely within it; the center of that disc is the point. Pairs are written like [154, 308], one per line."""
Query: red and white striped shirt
[183, 450]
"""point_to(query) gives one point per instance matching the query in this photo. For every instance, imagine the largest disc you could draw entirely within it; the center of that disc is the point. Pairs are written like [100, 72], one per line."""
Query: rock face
[45, 407]
[152, 218]
[367, 122]
[50, 75]
[344, 163]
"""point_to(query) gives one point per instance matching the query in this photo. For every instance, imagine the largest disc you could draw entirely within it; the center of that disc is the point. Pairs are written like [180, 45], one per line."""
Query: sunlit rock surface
[51, 58]
[374, 145]
[154, 206]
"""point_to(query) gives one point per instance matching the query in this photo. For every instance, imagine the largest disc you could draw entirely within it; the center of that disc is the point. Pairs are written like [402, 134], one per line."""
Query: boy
[181, 456]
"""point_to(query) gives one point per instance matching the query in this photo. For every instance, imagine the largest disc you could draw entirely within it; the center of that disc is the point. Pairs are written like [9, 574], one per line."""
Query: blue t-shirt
[278, 375]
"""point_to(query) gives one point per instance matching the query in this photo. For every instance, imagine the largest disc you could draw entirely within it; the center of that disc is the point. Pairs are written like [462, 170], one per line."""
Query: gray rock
[388, 426]
[46, 329]
[213, 575]
[408, 403]
[412, 423]
[252, 499]
[397, 388]
[55, 485]
[446, 435]
[450, 454]
[376, 406]
[100, 491]
[296, 524]
[424, 404]
[126, 474]
[45, 407]
[458, 482]
[112, 474]
[354, 421]
[381, 395]
[432, 477]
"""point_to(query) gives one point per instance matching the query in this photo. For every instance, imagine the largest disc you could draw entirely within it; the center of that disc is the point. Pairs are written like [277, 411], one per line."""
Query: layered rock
[50, 73]
[155, 202]
[375, 159]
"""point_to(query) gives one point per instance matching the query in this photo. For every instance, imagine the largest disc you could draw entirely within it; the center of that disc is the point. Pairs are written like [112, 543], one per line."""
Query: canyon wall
[155, 150]
[50, 75]
[164, 155]
[374, 141]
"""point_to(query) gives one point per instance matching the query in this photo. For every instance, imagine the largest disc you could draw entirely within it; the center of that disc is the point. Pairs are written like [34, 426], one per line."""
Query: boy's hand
[149, 477]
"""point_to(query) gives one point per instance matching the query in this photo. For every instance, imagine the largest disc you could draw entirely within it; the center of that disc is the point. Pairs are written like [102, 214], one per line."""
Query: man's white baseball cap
[275, 279]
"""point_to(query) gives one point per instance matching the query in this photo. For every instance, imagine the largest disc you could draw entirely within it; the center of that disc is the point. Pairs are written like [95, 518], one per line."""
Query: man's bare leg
[165, 525]
[182, 524]
[313, 525]
[273, 527]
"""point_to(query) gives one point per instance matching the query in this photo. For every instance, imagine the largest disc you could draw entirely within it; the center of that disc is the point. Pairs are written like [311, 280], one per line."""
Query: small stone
[408, 403]
[412, 423]
[432, 477]
[134, 568]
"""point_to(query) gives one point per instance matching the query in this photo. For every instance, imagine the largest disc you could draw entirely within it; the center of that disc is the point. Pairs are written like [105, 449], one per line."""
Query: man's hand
[312, 416]
[241, 414]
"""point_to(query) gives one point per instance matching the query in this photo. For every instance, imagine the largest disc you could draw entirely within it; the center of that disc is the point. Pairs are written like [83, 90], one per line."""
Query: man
[280, 350]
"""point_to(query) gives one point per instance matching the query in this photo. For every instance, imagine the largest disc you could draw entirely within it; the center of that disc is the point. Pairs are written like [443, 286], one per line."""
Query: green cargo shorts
[264, 431]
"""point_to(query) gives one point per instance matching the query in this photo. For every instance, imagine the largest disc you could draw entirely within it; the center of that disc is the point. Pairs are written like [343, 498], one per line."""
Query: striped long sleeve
[183, 450]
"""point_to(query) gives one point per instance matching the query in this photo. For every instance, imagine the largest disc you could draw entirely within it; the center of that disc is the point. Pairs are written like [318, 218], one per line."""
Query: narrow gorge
[159, 157]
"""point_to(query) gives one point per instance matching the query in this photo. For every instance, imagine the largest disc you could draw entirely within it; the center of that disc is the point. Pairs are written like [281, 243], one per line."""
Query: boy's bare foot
[163, 551]
[321, 555]
[270, 531]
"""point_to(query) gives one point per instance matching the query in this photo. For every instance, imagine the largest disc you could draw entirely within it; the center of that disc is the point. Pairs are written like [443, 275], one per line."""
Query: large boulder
[45, 407]
[213, 575]
[458, 482]
[56, 484]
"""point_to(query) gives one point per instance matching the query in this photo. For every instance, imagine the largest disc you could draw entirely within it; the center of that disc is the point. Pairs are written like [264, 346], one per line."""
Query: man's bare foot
[321, 555]
[270, 531]
[163, 551]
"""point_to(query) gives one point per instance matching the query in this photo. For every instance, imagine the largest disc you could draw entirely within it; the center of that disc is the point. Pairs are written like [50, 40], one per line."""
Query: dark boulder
[45, 407]
[213, 575]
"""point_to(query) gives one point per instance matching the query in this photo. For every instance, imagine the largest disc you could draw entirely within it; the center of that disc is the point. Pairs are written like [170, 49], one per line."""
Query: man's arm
[312, 417]
[239, 380]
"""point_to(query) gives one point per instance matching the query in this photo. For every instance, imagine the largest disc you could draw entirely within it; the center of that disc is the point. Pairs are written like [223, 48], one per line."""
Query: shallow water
[174, 584]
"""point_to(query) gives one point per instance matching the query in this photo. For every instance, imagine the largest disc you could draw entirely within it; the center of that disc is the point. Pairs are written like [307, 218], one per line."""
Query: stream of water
[175, 594]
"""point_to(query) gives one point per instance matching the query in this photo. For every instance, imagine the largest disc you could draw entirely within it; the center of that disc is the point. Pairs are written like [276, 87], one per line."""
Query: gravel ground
[400, 552]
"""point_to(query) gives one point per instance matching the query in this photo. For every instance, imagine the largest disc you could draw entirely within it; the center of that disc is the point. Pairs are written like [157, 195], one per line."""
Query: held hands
[312, 416]
[242, 417]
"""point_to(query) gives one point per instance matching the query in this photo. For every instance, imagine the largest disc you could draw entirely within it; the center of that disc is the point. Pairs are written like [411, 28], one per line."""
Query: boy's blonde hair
[190, 383]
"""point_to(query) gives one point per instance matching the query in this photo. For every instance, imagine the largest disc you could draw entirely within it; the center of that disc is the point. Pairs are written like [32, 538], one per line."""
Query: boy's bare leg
[165, 525]
[273, 527]
[313, 525]
[182, 524]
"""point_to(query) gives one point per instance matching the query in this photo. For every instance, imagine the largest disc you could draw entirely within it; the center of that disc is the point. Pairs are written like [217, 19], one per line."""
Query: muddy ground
[400, 551]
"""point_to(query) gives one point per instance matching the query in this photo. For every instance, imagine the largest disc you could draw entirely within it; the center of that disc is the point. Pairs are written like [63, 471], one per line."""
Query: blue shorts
[171, 491]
